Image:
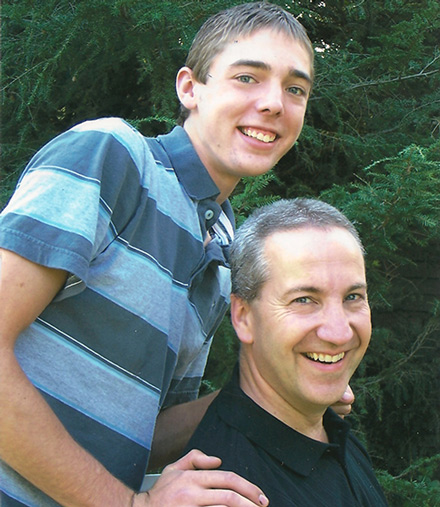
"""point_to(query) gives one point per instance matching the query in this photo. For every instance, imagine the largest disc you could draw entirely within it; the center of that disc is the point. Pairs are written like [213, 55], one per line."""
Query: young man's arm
[174, 427]
[32, 439]
[35, 443]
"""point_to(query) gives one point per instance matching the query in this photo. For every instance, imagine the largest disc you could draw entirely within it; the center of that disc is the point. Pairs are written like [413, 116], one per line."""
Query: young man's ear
[185, 88]
[241, 317]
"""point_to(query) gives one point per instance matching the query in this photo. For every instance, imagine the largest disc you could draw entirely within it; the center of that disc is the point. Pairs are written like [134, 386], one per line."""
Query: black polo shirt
[291, 469]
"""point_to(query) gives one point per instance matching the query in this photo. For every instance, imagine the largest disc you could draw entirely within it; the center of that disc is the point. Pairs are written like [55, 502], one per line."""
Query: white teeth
[266, 138]
[325, 358]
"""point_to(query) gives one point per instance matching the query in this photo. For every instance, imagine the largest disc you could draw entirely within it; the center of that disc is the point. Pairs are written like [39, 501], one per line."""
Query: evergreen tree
[396, 207]
[377, 88]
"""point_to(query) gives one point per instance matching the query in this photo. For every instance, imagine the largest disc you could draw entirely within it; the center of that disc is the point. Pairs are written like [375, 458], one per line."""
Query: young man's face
[250, 112]
[309, 328]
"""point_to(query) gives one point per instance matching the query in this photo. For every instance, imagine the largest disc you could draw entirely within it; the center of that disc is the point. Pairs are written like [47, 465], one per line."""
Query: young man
[114, 276]
[300, 310]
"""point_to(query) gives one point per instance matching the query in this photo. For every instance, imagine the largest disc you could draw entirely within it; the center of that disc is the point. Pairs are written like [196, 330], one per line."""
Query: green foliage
[67, 61]
[248, 195]
[395, 205]
[222, 358]
[417, 486]
[377, 88]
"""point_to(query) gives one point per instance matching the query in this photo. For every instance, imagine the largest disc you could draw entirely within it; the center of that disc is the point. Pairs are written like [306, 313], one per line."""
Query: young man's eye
[246, 79]
[295, 90]
[354, 297]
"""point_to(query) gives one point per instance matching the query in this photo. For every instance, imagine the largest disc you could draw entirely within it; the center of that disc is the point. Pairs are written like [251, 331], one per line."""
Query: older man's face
[306, 333]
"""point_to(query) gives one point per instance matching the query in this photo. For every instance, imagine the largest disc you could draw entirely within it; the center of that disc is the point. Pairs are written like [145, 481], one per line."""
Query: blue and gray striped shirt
[126, 216]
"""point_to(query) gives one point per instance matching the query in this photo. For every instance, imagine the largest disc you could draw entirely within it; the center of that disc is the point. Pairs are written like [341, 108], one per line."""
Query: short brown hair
[244, 19]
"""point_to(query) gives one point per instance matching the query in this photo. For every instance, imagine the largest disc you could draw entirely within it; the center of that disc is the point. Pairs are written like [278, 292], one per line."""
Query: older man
[300, 310]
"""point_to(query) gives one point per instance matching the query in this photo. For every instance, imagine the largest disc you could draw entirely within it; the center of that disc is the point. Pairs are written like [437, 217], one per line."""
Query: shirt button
[209, 214]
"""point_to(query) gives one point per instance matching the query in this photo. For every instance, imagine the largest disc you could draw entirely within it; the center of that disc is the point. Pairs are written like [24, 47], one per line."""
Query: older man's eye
[302, 300]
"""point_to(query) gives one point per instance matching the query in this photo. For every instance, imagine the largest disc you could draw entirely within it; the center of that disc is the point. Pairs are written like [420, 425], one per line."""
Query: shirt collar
[293, 449]
[191, 172]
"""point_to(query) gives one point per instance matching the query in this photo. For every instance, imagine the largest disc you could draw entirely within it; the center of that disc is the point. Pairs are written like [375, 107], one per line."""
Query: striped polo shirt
[126, 216]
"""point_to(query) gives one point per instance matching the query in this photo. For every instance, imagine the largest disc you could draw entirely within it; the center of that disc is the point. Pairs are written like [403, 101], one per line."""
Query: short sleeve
[63, 210]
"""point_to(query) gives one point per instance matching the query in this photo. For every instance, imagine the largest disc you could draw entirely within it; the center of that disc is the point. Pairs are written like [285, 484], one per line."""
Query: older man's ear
[242, 319]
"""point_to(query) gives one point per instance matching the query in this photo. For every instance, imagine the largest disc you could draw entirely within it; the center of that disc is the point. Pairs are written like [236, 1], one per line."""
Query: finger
[221, 498]
[195, 460]
[342, 410]
[227, 498]
[233, 489]
[344, 405]
[348, 396]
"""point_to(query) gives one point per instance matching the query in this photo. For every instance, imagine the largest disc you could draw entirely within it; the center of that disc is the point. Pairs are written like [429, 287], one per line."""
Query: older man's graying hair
[248, 264]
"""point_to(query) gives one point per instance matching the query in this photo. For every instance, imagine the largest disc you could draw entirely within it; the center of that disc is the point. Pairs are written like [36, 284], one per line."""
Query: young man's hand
[193, 481]
[344, 405]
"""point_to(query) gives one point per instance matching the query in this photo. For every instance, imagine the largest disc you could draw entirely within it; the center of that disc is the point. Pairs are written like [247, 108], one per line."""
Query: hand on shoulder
[193, 481]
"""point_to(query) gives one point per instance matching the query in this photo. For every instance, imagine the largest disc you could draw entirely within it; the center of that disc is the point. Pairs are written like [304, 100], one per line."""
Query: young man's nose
[271, 99]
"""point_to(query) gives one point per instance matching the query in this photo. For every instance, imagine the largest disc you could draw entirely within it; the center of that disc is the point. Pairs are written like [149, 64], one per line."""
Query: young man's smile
[260, 134]
[251, 109]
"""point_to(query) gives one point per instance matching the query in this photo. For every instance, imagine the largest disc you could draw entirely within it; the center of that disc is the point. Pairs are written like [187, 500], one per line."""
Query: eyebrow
[315, 290]
[258, 64]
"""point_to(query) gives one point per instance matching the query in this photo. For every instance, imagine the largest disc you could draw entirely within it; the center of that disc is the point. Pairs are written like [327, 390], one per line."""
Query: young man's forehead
[240, 51]
[236, 37]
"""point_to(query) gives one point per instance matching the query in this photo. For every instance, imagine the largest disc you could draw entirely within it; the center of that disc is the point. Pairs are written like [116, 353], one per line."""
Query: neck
[304, 419]
[224, 192]
[225, 182]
